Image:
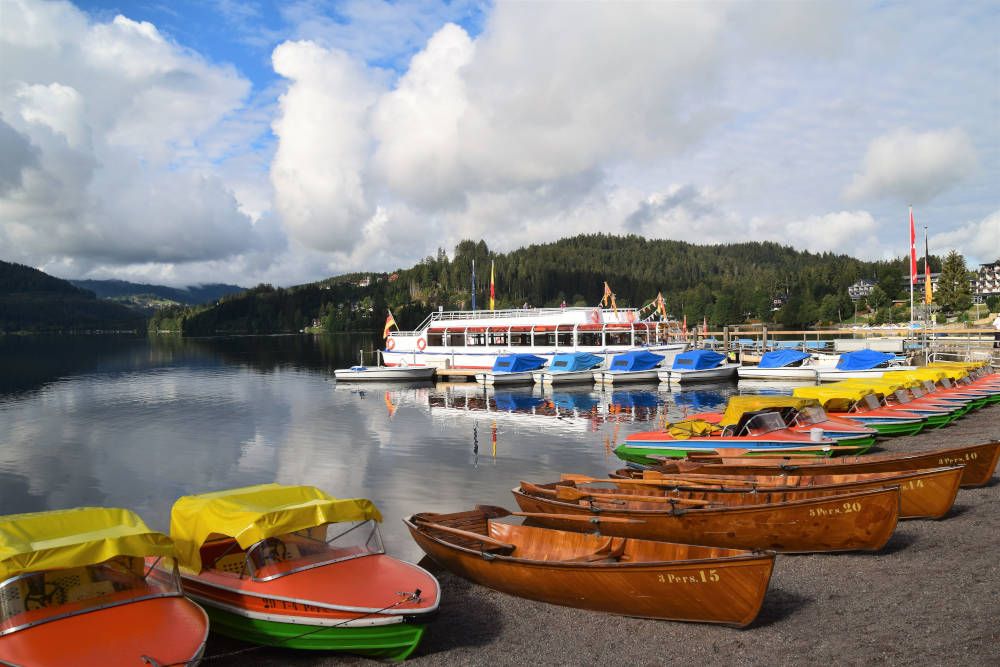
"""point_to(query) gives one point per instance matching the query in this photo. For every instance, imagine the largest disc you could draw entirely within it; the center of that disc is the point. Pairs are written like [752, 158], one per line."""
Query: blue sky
[184, 142]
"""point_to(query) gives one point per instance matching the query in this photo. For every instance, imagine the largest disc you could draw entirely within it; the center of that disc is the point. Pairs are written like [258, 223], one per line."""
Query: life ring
[421, 344]
[390, 343]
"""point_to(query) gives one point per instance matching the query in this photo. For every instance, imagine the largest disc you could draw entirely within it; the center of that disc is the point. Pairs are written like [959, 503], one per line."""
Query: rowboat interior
[479, 531]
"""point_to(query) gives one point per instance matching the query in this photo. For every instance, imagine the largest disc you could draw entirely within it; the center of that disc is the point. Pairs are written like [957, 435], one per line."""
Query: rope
[410, 597]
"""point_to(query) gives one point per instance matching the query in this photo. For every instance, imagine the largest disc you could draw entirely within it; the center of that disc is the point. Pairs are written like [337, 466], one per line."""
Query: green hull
[937, 421]
[384, 642]
[888, 428]
[642, 454]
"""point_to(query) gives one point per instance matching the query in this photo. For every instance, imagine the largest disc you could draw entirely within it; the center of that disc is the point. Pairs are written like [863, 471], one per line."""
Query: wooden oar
[569, 493]
[576, 517]
[666, 480]
[467, 533]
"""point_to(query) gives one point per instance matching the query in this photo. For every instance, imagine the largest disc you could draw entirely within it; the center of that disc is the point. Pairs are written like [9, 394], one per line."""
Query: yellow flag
[492, 288]
[390, 322]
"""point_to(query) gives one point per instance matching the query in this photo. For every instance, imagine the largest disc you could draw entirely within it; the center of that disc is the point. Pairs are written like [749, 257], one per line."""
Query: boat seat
[611, 551]
[234, 563]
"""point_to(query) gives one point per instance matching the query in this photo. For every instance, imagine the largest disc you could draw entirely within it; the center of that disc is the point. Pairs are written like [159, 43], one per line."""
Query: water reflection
[137, 423]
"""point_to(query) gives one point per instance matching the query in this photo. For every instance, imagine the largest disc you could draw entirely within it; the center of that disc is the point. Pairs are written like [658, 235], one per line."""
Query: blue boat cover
[635, 399]
[516, 363]
[570, 400]
[697, 360]
[863, 360]
[513, 402]
[574, 361]
[637, 360]
[781, 358]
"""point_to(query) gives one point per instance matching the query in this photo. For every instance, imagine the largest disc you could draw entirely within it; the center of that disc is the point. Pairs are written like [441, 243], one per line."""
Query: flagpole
[473, 285]
[912, 276]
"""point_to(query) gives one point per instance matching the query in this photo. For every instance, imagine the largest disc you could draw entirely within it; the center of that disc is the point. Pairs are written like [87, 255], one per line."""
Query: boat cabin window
[498, 338]
[618, 337]
[565, 338]
[456, 339]
[37, 597]
[762, 423]
[435, 339]
[812, 414]
[902, 396]
[275, 557]
[503, 363]
[590, 339]
[642, 337]
[871, 402]
[520, 339]
[475, 339]
[559, 363]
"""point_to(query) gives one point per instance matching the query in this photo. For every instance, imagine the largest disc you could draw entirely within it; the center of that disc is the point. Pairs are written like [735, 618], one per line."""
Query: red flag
[684, 328]
[913, 250]
[704, 325]
[607, 295]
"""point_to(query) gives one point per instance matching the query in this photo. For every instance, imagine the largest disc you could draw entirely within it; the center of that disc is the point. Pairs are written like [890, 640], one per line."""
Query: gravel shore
[932, 596]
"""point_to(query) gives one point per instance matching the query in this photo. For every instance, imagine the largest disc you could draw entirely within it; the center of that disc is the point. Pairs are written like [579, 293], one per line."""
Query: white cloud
[323, 146]
[913, 167]
[113, 115]
[978, 241]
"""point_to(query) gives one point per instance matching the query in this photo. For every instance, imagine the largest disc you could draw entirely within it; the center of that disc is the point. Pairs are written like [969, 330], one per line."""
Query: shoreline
[931, 595]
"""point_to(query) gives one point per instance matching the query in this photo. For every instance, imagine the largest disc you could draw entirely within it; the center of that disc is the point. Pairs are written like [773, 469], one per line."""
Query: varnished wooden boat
[860, 521]
[632, 577]
[980, 462]
[923, 494]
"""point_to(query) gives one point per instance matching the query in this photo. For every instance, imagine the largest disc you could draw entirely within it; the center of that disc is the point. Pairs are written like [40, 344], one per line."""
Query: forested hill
[724, 283]
[191, 295]
[31, 300]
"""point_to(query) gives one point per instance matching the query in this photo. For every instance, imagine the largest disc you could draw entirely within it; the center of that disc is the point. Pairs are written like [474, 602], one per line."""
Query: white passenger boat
[474, 339]
[384, 373]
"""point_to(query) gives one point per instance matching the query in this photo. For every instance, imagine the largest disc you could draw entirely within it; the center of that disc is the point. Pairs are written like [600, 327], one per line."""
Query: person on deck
[996, 336]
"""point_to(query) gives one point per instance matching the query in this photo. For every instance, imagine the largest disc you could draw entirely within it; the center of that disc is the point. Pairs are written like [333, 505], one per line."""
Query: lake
[136, 422]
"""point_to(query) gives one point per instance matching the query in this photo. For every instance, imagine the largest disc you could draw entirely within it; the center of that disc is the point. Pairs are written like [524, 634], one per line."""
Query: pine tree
[953, 292]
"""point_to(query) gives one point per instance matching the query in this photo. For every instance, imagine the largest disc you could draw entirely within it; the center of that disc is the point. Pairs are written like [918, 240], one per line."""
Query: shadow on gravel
[466, 617]
[897, 542]
[778, 605]
[956, 510]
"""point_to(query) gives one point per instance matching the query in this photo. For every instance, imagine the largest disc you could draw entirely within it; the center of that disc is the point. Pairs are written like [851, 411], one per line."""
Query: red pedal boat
[76, 590]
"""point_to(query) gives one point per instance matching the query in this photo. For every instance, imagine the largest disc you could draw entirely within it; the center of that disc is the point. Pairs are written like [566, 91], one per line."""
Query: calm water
[136, 423]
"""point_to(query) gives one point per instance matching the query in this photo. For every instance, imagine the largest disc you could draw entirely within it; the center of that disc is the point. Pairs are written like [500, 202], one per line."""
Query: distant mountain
[31, 300]
[191, 296]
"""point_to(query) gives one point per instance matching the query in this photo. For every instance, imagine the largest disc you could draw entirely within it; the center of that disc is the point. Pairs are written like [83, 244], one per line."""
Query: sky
[192, 142]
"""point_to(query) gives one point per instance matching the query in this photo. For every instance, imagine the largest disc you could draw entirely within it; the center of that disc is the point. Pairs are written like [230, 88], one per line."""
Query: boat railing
[510, 313]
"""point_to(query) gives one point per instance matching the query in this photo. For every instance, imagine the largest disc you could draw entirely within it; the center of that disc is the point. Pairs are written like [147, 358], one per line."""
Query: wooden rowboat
[923, 494]
[660, 580]
[860, 521]
[980, 462]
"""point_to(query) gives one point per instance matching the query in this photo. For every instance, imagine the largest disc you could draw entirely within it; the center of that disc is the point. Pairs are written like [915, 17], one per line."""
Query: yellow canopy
[964, 365]
[917, 375]
[253, 513]
[692, 428]
[73, 538]
[836, 396]
[881, 385]
[741, 404]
